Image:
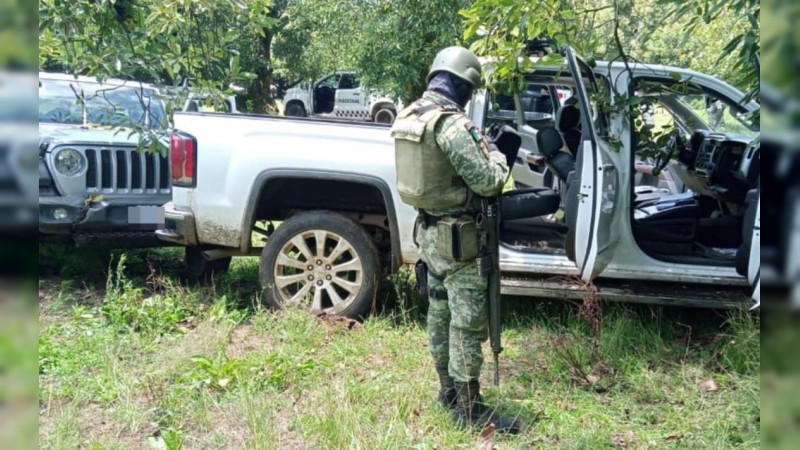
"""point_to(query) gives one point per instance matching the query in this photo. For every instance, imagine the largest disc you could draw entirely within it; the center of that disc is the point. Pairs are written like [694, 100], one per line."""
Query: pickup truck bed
[242, 158]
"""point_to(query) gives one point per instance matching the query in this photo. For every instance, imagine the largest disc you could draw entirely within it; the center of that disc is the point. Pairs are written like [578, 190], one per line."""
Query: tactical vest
[425, 178]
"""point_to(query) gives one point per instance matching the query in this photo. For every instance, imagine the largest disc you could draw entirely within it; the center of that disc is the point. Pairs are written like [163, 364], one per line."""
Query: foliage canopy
[263, 43]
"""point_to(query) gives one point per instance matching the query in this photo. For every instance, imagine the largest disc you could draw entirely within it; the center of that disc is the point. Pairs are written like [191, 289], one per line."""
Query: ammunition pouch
[458, 239]
[429, 220]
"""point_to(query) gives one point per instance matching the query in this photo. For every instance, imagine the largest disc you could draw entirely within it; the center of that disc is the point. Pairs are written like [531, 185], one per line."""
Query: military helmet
[460, 62]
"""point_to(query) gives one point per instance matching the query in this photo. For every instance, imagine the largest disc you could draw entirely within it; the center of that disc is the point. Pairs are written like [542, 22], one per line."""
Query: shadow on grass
[149, 269]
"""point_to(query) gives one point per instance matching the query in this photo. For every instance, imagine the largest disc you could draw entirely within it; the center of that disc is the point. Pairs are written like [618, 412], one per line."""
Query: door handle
[609, 167]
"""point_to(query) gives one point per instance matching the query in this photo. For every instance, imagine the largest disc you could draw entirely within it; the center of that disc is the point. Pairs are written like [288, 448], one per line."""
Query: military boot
[447, 390]
[470, 410]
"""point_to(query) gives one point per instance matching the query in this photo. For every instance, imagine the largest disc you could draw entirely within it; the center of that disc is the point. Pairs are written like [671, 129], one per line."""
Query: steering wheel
[673, 147]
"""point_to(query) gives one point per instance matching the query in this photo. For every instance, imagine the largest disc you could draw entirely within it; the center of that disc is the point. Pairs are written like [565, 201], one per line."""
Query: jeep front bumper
[62, 215]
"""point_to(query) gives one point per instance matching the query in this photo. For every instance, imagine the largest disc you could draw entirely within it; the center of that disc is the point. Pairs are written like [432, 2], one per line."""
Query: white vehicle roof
[85, 79]
[642, 69]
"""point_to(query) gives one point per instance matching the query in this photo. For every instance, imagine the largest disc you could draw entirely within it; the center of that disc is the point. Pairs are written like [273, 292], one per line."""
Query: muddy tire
[199, 267]
[321, 262]
[294, 109]
[384, 115]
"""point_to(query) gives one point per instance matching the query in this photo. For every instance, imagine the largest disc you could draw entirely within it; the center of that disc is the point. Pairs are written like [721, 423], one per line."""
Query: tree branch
[594, 10]
[618, 40]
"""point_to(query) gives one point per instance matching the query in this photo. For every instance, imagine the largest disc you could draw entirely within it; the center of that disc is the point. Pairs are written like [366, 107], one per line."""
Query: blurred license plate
[146, 215]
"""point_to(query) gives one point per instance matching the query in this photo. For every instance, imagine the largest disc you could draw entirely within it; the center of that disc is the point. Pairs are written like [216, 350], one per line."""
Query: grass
[146, 359]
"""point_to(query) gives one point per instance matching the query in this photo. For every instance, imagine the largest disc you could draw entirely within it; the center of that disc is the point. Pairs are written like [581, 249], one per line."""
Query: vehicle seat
[550, 143]
[646, 194]
[668, 224]
[568, 123]
[527, 203]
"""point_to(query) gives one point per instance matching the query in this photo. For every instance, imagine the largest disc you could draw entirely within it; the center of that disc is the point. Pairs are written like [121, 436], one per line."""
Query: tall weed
[741, 348]
[130, 309]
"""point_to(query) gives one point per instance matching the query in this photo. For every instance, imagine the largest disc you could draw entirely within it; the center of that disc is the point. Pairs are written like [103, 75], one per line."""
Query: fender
[374, 104]
[266, 176]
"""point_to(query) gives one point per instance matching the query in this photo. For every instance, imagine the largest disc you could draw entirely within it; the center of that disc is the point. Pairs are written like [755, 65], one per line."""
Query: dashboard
[727, 164]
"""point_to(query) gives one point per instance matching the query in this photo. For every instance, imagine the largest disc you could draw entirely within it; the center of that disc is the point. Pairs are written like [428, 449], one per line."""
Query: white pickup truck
[339, 95]
[343, 225]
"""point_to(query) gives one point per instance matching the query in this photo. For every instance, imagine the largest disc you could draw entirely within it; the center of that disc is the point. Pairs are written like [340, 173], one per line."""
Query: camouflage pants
[459, 324]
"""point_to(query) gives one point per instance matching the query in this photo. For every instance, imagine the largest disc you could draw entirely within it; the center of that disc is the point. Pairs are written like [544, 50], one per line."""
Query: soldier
[444, 166]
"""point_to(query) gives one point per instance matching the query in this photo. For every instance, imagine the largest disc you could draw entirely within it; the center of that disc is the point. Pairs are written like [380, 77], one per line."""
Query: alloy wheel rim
[318, 270]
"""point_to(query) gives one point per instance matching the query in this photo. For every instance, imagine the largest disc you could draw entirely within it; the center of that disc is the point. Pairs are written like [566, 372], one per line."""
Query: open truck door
[593, 188]
[749, 258]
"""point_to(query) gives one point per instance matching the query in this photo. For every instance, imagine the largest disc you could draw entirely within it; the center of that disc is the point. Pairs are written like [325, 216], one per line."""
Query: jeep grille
[126, 171]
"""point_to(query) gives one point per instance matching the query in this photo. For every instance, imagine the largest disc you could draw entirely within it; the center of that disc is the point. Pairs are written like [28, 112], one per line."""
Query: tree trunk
[260, 90]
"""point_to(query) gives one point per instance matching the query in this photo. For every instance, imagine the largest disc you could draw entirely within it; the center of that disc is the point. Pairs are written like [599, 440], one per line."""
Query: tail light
[183, 159]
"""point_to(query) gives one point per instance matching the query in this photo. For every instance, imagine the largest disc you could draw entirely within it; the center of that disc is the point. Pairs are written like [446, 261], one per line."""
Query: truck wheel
[322, 262]
[199, 267]
[385, 115]
[295, 110]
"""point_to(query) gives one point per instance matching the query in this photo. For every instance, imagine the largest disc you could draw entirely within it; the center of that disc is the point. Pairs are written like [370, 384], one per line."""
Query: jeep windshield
[106, 104]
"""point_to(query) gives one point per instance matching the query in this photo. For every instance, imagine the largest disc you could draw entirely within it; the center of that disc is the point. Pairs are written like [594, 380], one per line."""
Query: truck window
[330, 82]
[349, 81]
[536, 101]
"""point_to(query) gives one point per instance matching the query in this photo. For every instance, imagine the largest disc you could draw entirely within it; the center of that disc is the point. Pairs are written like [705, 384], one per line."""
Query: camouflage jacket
[460, 141]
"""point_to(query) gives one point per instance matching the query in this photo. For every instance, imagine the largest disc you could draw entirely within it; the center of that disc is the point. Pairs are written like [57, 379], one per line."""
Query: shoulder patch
[473, 131]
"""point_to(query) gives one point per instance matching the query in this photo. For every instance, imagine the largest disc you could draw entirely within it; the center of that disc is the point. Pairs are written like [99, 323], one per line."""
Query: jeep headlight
[69, 161]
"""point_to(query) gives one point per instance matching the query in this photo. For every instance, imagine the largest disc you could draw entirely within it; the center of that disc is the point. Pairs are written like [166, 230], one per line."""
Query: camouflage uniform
[458, 325]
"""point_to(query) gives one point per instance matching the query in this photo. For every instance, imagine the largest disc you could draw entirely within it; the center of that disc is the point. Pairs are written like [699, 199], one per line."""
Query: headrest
[549, 142]
[568, 116]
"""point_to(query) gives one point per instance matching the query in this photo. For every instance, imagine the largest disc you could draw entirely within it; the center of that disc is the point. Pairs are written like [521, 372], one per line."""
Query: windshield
[105, 104]
[695, 108]
[719, 115]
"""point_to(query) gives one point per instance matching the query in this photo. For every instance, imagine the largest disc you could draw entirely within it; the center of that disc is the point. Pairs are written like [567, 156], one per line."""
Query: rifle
[489, 265]
[508, 141]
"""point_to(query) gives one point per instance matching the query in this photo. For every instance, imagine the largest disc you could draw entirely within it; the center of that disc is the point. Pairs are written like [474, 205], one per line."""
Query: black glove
[506, 140]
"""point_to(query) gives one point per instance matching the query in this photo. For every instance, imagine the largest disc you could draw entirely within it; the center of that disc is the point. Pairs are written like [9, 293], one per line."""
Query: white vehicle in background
[207, 103]
[339, 95]
[186, 99]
